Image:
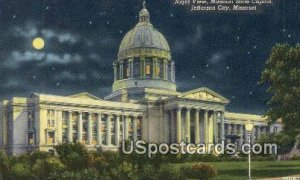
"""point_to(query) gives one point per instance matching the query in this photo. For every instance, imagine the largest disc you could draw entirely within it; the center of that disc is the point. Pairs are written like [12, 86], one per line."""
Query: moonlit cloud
[65, 58]
[30, 31]
[61, 37]
[27, 31]
[17, 58]
[218, 57]
[69, 76]
[182, 44]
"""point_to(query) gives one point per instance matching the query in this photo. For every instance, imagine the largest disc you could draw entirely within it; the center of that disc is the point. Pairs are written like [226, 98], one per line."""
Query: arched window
[148, 69]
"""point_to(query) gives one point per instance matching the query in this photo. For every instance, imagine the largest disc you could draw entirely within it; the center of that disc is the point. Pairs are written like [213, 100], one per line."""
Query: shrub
[148, 173]
[86, 174]
[21, 171]
[169, 171]
[5, 165]
[75, 156]
[123, 171]
[198, 171]
[50, 167]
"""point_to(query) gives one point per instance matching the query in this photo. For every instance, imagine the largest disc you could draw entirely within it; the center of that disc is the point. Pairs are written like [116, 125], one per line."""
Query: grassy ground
[260, 169]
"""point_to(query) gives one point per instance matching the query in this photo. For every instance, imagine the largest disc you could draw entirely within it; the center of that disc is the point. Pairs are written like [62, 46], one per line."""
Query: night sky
[222, 51]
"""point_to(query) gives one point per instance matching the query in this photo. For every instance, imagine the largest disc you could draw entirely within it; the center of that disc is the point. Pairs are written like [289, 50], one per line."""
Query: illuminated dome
[142, 36]
[144, 59]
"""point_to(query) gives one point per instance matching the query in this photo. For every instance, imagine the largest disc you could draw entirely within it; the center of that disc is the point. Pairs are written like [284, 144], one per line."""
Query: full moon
[38, 43]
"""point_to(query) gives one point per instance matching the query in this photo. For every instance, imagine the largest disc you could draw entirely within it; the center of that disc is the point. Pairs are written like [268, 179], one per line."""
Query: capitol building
[144, 104]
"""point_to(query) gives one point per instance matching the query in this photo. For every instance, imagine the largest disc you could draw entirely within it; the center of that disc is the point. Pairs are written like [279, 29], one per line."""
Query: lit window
[51, 138]
[30, 138]
[148, 69]
[157, 70]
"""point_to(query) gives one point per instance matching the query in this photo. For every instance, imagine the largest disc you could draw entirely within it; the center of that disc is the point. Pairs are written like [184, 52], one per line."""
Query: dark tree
[282, 75]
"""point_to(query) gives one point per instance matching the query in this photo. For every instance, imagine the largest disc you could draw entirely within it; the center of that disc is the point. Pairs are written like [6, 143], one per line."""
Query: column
[188, 126]
[197, 127]
[206, 136]
[121, 72]
[178, 125]
[115, 72]
[142, 67]
[210, 127]
[154, 64]
[165, 71]
[173, 126]
[126, 128]
[245, 139]
[117, 130]
[108, 128]
[241, 134]
[173, 67]
[79, 132]
[99, 138]
[70, 128]
[59, 127]
[215, 127]
[222, 137]
[172, 71]
[253, 134]
[135, 118]
[131, 68]
[90, 129]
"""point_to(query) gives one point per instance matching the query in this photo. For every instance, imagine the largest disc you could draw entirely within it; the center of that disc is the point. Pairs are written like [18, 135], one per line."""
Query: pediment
[204, 94]
[85, 95]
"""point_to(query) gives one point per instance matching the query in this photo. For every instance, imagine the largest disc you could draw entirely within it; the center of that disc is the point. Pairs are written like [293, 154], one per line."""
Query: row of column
[209, 125]
[109, 120]
[239, 129]
[167, 68]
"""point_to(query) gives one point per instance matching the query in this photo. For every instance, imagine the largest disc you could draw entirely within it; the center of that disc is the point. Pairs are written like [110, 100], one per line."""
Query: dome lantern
[144, 14]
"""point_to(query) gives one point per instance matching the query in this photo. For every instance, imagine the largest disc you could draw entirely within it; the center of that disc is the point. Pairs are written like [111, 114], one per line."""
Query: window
[50, 113]
[64, 135]
[31, 120]
[30, 139]
[157, 71]
[50, 123]
[136, 68]
[148, 69]
[50, 138]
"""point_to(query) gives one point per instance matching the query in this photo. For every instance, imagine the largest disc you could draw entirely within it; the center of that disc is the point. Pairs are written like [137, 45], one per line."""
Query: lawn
[260, 169]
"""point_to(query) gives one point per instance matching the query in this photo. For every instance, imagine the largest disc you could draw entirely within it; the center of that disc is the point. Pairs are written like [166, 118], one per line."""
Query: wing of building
[144, 105]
